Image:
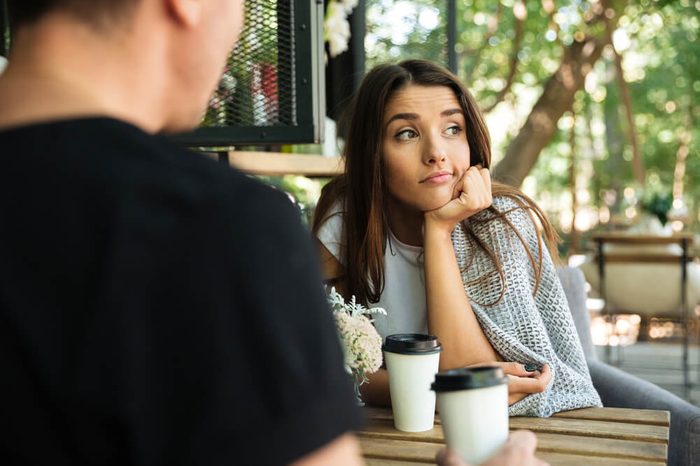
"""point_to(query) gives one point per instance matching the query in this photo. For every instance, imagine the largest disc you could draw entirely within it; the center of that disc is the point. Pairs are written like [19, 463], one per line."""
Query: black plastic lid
[412, 343]
[467, 379]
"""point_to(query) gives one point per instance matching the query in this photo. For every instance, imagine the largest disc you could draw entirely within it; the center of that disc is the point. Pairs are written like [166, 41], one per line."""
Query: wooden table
[590, 436]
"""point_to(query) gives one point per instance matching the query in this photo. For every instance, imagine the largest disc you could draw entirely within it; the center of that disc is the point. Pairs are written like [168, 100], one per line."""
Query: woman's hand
[521, 382]
[472, 194]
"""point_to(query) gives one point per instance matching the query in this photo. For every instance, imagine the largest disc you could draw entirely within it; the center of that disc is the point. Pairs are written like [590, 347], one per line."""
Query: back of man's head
[165, 58]
[94, 12]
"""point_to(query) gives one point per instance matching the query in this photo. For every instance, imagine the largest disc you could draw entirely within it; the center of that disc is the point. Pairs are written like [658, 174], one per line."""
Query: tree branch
[520, 14]
[490, 32]
[556, 99]
[637, 160]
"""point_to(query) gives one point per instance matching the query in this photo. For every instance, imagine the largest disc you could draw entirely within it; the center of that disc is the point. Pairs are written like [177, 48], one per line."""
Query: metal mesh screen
[272, 88]
[258, 85]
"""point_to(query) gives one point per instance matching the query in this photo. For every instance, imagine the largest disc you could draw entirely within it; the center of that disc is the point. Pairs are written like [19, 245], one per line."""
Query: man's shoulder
[117, 160]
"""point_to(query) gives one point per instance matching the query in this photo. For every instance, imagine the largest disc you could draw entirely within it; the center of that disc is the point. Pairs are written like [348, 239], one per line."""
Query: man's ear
[185, 12]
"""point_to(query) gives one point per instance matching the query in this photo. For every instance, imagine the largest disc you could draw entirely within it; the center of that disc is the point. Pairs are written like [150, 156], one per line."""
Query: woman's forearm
[450, 316]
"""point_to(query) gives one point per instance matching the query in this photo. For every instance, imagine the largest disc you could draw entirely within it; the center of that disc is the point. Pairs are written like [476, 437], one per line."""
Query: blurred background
[618, 82]
[592, 107]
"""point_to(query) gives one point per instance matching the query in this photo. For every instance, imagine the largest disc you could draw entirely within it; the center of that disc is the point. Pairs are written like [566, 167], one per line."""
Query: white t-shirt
[521, 325]
[403, 297]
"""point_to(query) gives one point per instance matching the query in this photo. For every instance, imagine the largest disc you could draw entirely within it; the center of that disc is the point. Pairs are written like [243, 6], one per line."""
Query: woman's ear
[186, 12]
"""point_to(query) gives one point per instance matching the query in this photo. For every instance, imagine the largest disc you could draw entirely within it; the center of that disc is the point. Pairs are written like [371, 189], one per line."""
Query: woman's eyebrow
[403, 116]
[451, 111]
[415, 116]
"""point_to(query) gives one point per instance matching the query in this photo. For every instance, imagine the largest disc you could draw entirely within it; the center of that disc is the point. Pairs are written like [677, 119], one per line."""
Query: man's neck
[56, 75]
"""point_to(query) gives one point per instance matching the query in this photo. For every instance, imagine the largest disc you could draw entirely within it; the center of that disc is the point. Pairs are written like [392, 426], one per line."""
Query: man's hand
[521, 382]
[519, 450]
[472, 194]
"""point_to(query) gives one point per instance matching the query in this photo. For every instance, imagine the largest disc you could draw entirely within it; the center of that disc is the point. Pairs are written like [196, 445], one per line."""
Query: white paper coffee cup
[473, 407]
[412, 360]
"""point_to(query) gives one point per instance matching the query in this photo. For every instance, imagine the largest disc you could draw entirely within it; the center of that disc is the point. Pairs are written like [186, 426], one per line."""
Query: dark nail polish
[531, 367]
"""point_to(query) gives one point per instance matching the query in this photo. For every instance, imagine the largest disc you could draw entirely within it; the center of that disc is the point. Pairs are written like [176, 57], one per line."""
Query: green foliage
[304, 191]
[658, 40]
[402, 30]
[657, 203]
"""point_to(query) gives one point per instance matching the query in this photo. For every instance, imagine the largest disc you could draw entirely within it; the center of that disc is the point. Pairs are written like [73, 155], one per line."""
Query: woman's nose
[433, 152]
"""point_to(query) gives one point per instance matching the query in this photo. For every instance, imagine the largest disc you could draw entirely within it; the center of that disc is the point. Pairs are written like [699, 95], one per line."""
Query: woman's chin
[436, 203]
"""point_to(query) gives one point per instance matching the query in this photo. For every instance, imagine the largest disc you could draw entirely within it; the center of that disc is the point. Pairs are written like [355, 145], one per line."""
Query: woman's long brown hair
[362, 188]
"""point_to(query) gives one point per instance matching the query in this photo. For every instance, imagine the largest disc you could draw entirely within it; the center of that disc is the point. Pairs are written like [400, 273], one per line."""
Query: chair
[622, 390]
[647, 275]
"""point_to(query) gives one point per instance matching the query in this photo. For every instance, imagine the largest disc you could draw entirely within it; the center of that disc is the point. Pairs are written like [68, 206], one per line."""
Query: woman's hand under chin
[472, 194]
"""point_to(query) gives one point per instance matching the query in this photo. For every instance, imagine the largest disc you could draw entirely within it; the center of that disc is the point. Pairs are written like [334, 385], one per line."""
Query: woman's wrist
[436, 229]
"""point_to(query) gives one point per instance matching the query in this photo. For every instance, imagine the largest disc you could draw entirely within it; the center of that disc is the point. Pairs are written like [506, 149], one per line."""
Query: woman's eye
[406, 134]
[453, 130]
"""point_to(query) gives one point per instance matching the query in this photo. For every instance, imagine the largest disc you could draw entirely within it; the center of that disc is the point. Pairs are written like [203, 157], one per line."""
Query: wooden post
[575, 237]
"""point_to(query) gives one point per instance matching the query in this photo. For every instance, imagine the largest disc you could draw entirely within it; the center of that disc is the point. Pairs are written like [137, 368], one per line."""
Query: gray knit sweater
[521, 326]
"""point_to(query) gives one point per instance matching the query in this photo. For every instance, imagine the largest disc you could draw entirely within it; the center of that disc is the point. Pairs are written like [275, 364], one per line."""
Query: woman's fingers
[470, 195]
[511, 368]
[536, 383]
[522, 383]
[476, 189]
[486, 178]
[514, 368]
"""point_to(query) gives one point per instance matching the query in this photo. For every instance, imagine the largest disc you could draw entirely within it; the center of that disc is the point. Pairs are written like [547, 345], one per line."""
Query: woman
[416, 225]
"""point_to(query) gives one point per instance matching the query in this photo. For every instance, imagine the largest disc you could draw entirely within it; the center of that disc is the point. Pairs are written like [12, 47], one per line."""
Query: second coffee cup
[412, 360]
[473, 406]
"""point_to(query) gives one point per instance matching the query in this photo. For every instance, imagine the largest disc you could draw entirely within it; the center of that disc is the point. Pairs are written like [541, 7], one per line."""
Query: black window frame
[309, 107]
[309, 87]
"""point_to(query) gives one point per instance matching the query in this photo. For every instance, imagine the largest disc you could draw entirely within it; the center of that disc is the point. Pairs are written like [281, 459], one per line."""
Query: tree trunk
[681, 156]
[557, 98]
[637, 160]
[520, 14]
[575, 236]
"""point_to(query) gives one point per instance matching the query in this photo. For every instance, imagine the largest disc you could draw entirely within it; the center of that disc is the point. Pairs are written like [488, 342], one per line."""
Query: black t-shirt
[156, 308]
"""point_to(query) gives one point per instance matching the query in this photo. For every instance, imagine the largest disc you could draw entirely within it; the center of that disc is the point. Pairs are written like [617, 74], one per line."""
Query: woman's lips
[437, 177]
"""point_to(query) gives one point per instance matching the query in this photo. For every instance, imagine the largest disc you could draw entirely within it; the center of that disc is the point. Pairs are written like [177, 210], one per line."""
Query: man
[155, 307]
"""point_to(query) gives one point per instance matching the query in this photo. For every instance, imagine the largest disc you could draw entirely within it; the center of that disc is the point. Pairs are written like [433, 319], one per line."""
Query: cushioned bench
[622, 390]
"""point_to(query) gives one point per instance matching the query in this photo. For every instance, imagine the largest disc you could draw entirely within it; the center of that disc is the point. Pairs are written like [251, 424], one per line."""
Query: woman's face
[425, 147]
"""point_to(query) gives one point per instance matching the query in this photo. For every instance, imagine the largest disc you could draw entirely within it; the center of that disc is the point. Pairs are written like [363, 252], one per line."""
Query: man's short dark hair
[95, 12]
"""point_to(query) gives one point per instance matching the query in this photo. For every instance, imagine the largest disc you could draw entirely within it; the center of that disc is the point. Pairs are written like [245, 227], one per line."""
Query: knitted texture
[524, 325]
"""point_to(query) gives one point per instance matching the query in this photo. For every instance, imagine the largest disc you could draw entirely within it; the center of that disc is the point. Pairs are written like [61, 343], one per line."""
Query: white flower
[349, 5]
[362, 345]
[337, 28]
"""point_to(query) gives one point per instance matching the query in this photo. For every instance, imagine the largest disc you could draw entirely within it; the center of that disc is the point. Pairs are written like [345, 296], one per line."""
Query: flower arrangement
[362, 345]
[336, 27]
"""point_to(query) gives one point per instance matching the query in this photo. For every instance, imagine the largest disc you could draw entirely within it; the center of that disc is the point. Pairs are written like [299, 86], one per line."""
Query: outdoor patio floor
[659, 363]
